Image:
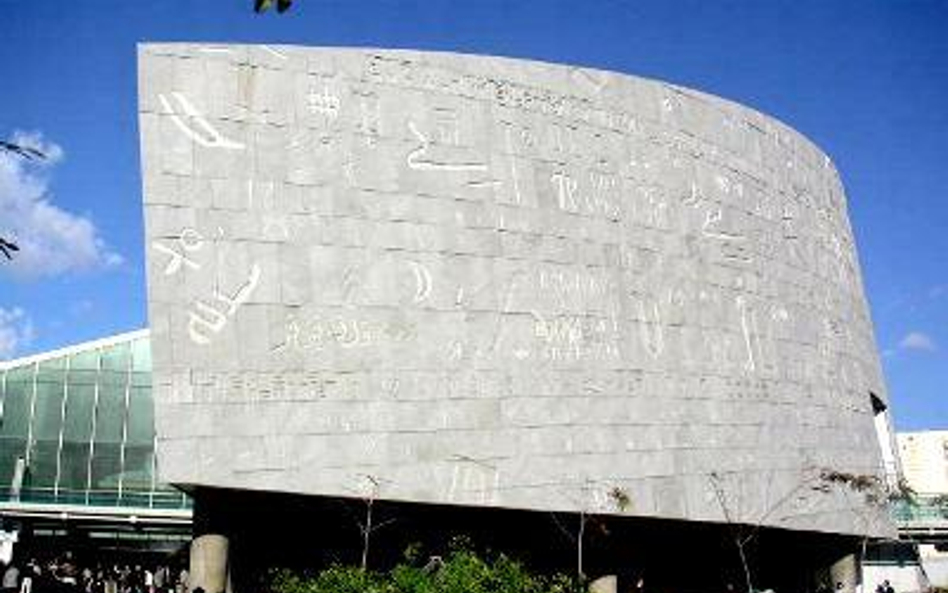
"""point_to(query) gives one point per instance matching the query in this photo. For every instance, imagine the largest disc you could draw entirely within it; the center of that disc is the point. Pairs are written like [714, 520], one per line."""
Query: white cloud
[81, 308]
[918, 341]
[16, 331]
[52, 241]
[52, 151]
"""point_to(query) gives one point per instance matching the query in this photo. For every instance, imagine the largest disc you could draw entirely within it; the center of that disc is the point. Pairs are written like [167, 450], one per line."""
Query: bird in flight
[6, 247]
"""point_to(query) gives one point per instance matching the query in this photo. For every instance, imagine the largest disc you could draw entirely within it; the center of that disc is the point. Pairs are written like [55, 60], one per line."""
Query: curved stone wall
[483, 281]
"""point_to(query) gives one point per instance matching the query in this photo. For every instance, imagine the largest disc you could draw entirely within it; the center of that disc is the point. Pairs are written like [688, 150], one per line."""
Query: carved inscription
[190, 241]
[475, 479]
[318, 333]
[194, 125]
[208, 318]
[423, 228]
[419, 158]
[370, 116]
[323, 102]
[576, 338]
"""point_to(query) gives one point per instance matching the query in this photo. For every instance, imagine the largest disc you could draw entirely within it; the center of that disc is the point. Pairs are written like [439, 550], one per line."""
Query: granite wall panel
[495, 282]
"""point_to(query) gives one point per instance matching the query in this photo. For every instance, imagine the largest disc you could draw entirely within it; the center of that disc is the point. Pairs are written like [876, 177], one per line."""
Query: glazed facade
[78, 428]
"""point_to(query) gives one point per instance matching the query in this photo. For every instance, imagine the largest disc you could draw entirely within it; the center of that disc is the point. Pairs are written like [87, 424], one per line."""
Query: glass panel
[73, 472]
[77, 432]
[53, 364]
[114, 379]
[141, 355]
[47, 424]
[52, 371]
[79, 409]
[16, 420]
[110, 419]
[137, 485]
[16, 403]
[83, 377]
[141, 417]
[141, 379]
[87, 360]
[139, 449]
[115, 358]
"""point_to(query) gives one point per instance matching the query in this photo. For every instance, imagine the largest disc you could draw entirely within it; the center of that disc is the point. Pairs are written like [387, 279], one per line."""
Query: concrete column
[209, 569]
[605, 584]
[845, 572]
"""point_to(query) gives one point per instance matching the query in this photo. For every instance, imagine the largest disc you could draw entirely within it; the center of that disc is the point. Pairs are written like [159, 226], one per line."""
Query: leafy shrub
[335, 579]
[461, 571]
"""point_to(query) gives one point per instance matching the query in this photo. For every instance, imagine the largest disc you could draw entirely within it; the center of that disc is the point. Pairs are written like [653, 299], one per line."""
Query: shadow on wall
[267, 530]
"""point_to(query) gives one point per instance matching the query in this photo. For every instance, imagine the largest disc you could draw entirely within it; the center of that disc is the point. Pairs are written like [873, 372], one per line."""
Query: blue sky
[866, 80]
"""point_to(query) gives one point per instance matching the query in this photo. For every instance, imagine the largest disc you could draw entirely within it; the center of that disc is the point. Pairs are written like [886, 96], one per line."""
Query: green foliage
[410, 579]
[335, 579]
[461, 571]
[412, 553]
[875, 490]
[940, 502]
[621, 498]
[904, 492]
[287, 581]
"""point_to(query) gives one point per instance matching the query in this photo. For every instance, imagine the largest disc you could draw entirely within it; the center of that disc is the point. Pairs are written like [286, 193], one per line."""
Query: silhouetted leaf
[264, 5]
[6, 247]
[27, 152]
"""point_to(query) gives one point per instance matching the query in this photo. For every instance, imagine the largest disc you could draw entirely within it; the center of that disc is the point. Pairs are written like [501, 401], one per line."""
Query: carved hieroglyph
[495, 282]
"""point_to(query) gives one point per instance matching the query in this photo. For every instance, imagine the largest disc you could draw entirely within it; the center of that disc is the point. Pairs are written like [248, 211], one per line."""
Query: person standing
[32, 570]
[11, 579]
[161, 577]
[26, 584]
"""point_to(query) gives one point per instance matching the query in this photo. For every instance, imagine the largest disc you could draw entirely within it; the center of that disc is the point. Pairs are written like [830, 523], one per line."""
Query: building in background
[924, 457]
[77, 452]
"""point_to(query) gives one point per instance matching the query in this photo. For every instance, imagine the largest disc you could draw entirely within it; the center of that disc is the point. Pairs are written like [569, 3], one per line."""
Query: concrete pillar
[209, 569]
[845, 572]
[605, 584]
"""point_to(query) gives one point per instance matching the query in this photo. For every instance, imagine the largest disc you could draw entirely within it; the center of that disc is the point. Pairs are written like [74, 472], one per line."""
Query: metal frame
[75, 348]
[65, 512]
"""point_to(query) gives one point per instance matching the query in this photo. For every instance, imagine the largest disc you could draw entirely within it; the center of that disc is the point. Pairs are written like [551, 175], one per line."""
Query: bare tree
[820, 480]
[616, 495]
[366, 525]
[577, 538]
[874, 492]
[742, 533]
[741, 536]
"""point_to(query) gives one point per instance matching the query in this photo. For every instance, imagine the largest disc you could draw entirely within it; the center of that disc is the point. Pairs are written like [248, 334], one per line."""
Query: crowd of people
[64, 574]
